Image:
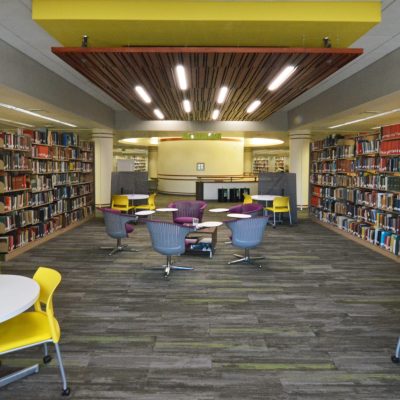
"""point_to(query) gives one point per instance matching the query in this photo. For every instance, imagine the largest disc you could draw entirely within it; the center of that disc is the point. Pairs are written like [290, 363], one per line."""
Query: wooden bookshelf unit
[355, 186]
[46, 186]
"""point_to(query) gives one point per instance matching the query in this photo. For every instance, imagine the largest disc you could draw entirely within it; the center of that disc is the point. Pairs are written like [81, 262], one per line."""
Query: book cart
[46, 186]
[355, 186]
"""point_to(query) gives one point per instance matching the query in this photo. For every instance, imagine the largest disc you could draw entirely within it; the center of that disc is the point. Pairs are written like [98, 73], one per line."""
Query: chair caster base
[66, 392]
[395, 360]
[47, 359]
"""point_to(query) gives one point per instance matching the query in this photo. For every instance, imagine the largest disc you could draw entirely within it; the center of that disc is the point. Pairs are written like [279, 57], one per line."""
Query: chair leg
[274, 220]
[66, 390]
[396, 355]
[290, 218]
[47, 357]
[120, 247]
[246, 259]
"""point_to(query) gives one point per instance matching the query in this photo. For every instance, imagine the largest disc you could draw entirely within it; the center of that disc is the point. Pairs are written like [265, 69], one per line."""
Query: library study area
[199, 199]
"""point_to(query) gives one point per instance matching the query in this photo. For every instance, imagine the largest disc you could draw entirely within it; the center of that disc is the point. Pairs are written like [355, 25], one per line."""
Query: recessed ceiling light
[265, 142]
[187, 106]
[222, 94]
[215, 114]
[181, 77]
[128, 140]
[158, 114]
[16, 122]
[365, 119]
[33, 114]
[253, 106]
[154, 140]
[141, 91]
[281, 78]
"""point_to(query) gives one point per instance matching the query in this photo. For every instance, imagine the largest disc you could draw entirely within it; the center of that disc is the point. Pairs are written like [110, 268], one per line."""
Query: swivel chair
[247, 234]
[187, 210]
[118, 227]
[168, 239]
[35, 328]
[254, 209]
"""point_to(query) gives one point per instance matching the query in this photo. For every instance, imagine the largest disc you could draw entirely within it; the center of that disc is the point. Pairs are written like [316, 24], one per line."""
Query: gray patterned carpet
[318, 321]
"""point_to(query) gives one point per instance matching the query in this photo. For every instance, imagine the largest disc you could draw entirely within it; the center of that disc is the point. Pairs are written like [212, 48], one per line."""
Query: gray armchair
[247, 234]
[117, 227]
[168, 239]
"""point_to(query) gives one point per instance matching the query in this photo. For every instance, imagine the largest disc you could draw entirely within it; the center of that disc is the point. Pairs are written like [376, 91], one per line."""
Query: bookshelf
[355, 186]
[260, 164]
[46, 186]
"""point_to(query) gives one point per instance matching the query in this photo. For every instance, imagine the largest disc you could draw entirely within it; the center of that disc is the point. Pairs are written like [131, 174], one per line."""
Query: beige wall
[178, 158]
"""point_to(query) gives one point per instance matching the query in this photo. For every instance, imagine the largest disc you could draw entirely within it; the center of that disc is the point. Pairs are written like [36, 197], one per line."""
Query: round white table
[208, 224]
[264, 197]
[137, 196]
[218, 210]
[144, 213]
[166, 209]
[237, 215]
[17, 294]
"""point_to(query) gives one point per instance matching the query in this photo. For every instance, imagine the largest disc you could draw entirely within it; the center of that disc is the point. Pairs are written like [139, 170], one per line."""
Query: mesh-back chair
[254, 209]
[187, 210]
[247, 234]
[34, 328]
[118, 227]
[280, 204]
[168, 239]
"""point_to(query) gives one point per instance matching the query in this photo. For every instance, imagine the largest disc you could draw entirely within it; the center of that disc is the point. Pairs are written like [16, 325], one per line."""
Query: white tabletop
[264, 197]
[208, 224]
[145, 212]
[237, 215]
[218, 210]
[17, 294]
[137, 196]
[166, 209]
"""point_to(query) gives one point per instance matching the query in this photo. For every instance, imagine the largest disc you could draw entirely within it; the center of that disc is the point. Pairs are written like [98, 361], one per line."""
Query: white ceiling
[18, 30]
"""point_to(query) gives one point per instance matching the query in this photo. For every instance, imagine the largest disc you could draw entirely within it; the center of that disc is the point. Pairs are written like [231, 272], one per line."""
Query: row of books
[15, 141]
[13, 182]
[61, 153]
[327, 142]
[50, 166]
[325, 180]
[365, 145]
[66, 192]
[390, 147]
[15, 160]
[391, 132]
[45, 136]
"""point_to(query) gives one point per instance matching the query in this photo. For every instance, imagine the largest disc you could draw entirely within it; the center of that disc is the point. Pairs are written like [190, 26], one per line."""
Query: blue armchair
[168, 239]
[254, 209]
[117, 227]
[247, 234]
[187, 210]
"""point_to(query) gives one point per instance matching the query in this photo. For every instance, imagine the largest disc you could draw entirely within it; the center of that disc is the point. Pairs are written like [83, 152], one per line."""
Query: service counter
[225, 190]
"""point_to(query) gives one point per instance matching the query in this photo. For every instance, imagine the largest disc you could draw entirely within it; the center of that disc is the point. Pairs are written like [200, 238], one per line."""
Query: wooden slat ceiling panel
[246, 72]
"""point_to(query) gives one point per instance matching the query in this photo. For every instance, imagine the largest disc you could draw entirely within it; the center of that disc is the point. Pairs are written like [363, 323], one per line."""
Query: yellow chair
[280, 205]
[151, 205]
[37, 327]
[247, 199]
[121, 202]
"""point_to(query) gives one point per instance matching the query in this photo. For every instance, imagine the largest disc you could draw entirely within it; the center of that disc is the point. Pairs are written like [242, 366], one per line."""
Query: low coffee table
[204, 238]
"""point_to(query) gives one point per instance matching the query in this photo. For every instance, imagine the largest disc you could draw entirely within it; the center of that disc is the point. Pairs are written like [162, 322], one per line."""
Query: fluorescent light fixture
[265, 142]
[222, 94]
[130, 140]
[141, 91]
[365, 119]
[181, 76]
[34, 114]
[376, 127]
[16, 122]
[187, 106]
[154, 140]
[158, 113]
[192, 136]
[253, 106]
[209, 134]
[281, 78]
[215, 114]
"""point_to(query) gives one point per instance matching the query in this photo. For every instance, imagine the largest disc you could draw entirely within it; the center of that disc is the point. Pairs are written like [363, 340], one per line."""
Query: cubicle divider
[126, 182]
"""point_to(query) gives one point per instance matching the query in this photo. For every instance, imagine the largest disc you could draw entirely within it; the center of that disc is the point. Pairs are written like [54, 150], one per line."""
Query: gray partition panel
[280, 184]
[125, 182]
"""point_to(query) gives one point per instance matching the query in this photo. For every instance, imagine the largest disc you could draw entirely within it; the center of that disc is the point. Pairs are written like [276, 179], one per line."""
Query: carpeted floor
[319, 321]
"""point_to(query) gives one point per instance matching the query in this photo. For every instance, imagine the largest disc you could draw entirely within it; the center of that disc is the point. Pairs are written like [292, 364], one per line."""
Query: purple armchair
[187, 210]
[254, 209]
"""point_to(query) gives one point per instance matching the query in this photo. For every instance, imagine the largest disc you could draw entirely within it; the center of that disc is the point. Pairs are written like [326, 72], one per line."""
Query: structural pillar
[103, 153]
[299, 146]
[247, 161]
[152, 162]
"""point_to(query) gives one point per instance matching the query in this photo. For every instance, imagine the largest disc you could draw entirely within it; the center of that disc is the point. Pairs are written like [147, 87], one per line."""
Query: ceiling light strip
[223, 92]
[187, 106]
[215, 114]
[16, 122]
[365, 119]
[141, 91]
[33, 114]
[281, 78]
[253, 106]
[158, 113]
[181, 77]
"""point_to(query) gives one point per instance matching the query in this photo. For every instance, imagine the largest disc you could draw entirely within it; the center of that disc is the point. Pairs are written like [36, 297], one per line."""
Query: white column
[103, 158]
[152, 162]
[247, 160]
[299, 146]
